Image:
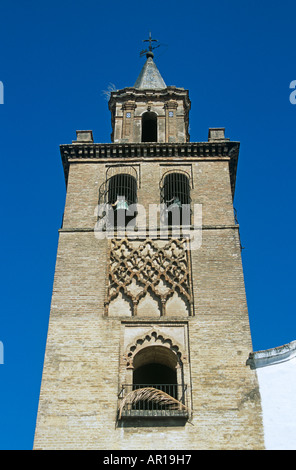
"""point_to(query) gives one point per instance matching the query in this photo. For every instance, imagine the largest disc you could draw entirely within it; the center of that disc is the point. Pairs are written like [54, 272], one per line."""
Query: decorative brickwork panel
[153, 278]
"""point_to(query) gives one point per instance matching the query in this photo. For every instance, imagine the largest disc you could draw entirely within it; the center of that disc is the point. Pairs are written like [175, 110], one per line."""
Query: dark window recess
[155, 374]
[149, 127]
[175, 193]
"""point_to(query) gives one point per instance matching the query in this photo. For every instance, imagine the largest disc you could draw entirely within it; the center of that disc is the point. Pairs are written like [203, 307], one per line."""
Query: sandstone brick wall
[83, 367]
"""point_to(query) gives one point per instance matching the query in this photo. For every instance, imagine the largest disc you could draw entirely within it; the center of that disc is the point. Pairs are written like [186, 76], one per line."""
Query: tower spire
[150, 76]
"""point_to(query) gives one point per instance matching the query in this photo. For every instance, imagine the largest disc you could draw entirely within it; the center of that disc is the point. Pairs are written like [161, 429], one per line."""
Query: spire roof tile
[149, 77]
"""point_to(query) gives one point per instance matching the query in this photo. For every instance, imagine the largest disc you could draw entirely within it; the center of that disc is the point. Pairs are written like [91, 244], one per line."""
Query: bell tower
[150, 111]
[149, 334]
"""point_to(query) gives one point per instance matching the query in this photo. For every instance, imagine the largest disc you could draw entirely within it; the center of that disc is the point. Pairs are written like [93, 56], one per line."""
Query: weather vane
[149, 52]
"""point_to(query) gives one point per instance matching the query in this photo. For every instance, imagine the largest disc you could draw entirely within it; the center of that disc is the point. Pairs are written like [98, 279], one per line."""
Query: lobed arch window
[175, 194]
[149, 127]
[158, 388]
[155, 369]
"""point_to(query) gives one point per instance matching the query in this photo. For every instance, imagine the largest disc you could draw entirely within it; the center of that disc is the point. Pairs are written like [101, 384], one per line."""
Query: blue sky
[56, 58]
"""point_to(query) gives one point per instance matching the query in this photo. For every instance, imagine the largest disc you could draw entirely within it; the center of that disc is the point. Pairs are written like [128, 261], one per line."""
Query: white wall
[276, 370]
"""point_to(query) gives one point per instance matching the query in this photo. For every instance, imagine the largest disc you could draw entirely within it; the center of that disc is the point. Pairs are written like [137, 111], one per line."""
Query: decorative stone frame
[156, 336]
[149, 263]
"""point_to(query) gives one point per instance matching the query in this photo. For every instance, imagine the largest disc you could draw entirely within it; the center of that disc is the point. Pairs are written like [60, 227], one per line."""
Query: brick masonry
[83, 367]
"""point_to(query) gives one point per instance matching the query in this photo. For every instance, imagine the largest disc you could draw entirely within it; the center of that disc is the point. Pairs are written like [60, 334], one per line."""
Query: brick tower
[149, 334]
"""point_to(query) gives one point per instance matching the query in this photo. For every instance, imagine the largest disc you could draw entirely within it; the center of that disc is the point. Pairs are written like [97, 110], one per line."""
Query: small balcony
[164, 401]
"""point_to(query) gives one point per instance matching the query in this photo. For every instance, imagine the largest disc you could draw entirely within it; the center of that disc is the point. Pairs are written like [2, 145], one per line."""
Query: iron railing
[177, 407]
[175, 194]
[175, 186]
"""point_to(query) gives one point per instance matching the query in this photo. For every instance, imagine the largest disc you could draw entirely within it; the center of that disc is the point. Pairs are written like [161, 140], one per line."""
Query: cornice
[272, 356]
[170, 90]
[92, 152]
[135, 94]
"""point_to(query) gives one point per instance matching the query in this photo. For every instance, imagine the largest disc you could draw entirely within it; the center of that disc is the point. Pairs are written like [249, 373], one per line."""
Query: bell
[176, 203]
[121, 204]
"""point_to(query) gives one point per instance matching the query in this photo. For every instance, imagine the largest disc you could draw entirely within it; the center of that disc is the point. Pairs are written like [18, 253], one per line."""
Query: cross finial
[149, 52]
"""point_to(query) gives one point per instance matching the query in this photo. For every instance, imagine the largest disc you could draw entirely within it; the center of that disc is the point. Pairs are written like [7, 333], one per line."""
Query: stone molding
[125, 152]
[150, 339]
[272, 356]
[137, 94]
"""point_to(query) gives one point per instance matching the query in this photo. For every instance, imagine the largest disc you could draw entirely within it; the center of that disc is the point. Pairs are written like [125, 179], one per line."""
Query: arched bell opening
[122, 193]
[175, 194]
[149, 127]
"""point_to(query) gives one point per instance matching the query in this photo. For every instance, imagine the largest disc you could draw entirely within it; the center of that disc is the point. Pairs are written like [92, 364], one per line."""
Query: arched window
[122, 193]
[149, 127]
[155, 367]
[175, 194]
[155, 385]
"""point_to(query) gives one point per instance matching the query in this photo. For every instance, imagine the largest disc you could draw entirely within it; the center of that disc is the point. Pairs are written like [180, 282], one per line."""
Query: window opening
[156, 367]
[157, 376]
[149, 127]
[158, 388]
[176, 194]
[122, 193]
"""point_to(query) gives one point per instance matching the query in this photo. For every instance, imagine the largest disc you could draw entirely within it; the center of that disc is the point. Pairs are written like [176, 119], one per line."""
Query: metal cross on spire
[149, 52]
